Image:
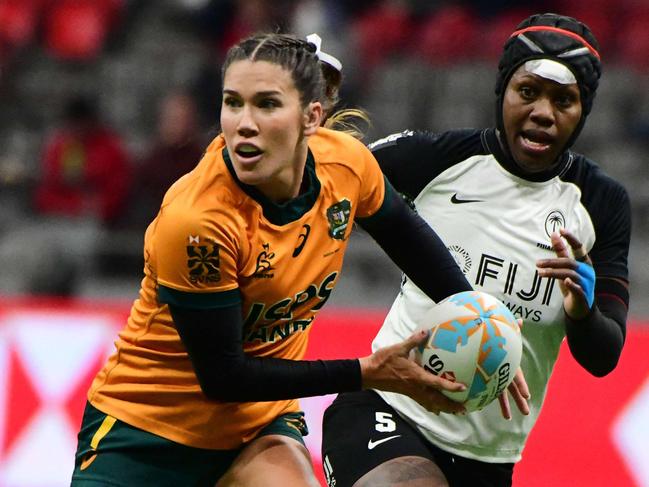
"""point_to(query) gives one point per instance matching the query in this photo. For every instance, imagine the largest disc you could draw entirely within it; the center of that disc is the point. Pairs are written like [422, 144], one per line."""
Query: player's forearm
[213, 339]
[596, 341]
[269, 379]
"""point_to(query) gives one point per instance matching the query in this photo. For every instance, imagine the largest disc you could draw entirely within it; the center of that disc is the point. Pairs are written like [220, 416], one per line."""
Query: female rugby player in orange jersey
[244, 252]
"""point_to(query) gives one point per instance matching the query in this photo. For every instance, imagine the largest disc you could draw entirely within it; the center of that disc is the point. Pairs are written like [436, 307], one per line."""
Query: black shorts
[361, 431]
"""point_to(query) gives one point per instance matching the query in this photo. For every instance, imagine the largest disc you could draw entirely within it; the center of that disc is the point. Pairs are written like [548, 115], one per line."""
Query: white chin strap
[552, 70]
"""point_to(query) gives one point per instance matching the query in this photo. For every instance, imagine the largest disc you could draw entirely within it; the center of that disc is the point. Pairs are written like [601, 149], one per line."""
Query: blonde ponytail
[347, 120]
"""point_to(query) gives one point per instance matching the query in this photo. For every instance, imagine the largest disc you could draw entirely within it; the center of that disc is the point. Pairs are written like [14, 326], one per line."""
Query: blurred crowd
[106, 102]
[441, 30]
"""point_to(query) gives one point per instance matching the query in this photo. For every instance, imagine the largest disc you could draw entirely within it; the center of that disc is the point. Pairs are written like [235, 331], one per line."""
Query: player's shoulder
[334, 146]
[207, 188]
[216, 145]
[468, 139]
[592, 178]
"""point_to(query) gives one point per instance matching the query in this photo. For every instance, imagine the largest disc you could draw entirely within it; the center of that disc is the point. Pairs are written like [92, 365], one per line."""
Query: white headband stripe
[530, 43]
[580, 51]
[316, 40]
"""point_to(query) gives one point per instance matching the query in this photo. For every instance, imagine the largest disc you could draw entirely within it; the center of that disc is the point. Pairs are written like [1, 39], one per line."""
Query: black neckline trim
[281, 214]
[492, 144]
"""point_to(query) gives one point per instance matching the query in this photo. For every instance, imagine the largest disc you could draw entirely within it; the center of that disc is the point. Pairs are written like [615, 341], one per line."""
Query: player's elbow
[222, 388]
[603, 365]
[598, 360]
[213, 392]
[600, 373]
[602, 369]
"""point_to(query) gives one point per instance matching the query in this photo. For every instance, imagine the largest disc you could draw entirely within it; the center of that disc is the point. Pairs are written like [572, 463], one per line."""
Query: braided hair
[315, 79]
[295, 55]
[562, 39]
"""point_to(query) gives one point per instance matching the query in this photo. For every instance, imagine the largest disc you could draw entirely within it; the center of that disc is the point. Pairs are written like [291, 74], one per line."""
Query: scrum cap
[559, 38]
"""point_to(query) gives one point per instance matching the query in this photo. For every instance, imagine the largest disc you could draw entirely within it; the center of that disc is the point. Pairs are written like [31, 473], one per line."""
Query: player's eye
[269, 103]
[231, 101]
[566, 101]
[527, 92]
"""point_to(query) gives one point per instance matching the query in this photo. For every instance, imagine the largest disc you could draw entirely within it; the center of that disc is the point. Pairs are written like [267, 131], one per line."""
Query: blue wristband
[587, 275]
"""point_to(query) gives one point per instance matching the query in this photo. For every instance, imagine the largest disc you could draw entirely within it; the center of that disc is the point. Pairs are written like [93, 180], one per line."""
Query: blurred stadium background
[416, 64]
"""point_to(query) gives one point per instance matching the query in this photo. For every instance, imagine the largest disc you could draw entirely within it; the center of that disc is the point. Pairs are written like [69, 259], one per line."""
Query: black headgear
[562, 39]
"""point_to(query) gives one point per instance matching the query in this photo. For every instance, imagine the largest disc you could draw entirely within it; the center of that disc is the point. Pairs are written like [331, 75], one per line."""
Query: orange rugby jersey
[216, 241]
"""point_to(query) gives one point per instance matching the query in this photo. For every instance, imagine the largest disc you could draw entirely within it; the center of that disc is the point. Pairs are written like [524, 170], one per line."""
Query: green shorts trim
[113, 453]
[292, 425]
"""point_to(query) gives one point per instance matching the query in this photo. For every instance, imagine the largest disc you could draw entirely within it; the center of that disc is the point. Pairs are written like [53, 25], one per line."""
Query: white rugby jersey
[497, 222]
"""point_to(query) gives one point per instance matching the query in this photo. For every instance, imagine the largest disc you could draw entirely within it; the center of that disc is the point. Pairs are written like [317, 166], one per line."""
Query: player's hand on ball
[574, 271]
[473, 339]
[391, 369]
[520, 393]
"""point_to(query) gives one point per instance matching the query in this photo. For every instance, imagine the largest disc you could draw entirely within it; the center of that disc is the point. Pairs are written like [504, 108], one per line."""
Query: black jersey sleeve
[214, 341]
[596, 342]
[410, 160]
[415, 247]
[608, 205]
[612, 220]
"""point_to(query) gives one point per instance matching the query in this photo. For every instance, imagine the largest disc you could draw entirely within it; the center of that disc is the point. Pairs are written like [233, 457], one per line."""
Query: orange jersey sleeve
[372, 184]
[194, 249]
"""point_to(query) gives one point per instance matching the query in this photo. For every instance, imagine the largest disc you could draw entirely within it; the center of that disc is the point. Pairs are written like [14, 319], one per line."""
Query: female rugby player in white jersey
[530, 221]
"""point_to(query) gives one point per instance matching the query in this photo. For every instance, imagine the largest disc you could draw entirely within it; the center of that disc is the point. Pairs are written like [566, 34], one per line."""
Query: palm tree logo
[554, 221]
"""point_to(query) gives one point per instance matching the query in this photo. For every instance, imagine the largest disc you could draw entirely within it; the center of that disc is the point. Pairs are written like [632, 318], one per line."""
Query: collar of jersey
[281, 214]
[490, 139]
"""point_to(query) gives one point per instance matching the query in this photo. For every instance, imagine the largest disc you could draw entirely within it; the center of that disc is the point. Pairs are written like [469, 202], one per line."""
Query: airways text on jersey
[507, 273]
[519, 286]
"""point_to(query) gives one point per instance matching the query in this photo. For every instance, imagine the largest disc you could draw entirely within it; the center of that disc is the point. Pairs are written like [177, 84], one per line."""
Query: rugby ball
[473, 338]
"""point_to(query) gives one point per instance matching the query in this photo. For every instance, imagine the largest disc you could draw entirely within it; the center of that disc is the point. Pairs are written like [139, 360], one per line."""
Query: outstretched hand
[391, 369]
[520, 393]
[574, 272]
[518, 390]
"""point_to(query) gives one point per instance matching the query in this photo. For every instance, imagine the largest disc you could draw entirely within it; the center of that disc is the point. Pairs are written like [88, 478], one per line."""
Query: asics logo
[302, 239]
[457, 201]
[373, 444]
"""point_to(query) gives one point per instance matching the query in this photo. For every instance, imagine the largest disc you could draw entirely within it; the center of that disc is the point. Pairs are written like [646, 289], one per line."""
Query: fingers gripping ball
[474, 339]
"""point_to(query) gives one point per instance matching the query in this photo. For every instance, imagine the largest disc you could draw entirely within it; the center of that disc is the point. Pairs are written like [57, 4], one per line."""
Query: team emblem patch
[203, 263]
[554, 221]
[264, 265]
[338, 217]
[462, 258]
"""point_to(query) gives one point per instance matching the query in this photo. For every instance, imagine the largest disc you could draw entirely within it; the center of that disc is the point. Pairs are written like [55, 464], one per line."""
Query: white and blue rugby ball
[473, 338]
